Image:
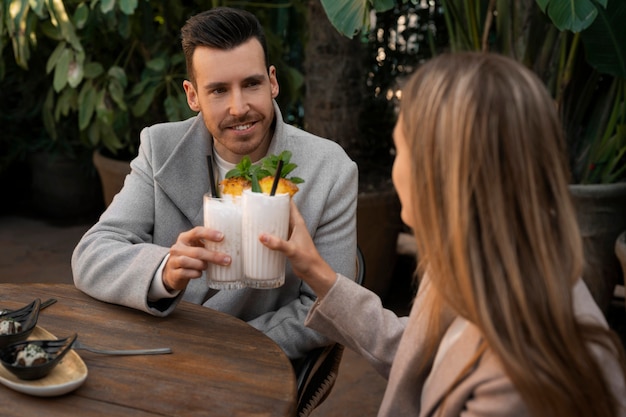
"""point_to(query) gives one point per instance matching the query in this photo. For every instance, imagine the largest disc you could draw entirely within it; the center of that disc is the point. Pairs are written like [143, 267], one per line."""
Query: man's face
[234, 93]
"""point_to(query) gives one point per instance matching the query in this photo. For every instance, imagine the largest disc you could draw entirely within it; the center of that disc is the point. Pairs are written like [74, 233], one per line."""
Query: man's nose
[238, 103]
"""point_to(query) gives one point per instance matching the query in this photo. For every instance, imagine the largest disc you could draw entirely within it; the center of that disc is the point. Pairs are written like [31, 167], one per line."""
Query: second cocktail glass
[262, 213]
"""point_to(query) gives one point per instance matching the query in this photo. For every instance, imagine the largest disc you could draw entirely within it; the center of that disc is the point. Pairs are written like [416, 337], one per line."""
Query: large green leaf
[105, 131]
[104, 112]
[176, 107]
[143, 103]
[37, 6]
[65, 103]
[87, 97]
[76, 70]
[93, 70]
[61, 70]
[128, 6]
[350, 17]
[55, 56]
[384, 5]
[605, 40]
[116, 90]
[139, 87]
[347, 16]
[158, 64]
[81, 15]
[107, 5]
[16, 23]
[119, 74]
[59, 17]
[573, 15]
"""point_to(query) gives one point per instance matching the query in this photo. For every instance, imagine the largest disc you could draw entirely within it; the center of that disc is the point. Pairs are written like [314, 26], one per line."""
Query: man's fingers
[197, 236]
[182, 262]
[176, 274]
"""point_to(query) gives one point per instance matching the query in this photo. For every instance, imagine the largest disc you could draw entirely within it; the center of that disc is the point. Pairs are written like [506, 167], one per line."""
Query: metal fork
[156, 351]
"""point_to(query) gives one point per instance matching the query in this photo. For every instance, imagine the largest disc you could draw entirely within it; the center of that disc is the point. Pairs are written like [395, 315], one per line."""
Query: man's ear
[273, 81]
[192, 95]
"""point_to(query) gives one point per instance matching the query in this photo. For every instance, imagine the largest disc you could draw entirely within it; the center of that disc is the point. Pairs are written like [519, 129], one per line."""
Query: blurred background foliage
[578, 48]
[88, 75]
[398, 40]
[85, 75]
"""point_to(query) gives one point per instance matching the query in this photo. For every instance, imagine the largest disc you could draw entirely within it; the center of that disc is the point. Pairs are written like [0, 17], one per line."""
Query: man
[147, 251]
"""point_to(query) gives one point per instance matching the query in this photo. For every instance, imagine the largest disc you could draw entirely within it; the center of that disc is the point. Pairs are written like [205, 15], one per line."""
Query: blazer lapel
[447, 370]
[184, 175]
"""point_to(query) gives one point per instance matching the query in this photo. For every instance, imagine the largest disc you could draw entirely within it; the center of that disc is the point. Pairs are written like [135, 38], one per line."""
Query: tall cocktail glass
[224, 214]
[262, 213]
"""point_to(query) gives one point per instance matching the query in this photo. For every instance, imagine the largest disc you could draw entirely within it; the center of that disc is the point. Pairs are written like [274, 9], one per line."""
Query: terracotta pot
[601, 212]
[378, 227]
[112, 173]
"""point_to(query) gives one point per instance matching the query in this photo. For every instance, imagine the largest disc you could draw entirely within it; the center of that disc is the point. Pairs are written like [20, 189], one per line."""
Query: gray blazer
[354, 316]
[115, 261]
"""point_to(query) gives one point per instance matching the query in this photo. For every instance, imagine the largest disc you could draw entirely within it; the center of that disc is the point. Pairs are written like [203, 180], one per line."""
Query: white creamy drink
[224, 214]
[262, 213]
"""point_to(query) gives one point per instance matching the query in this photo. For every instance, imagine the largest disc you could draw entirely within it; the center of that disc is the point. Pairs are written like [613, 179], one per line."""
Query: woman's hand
[306, 261]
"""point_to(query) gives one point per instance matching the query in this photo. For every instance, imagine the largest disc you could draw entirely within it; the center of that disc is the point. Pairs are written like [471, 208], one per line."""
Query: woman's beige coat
[354, 316]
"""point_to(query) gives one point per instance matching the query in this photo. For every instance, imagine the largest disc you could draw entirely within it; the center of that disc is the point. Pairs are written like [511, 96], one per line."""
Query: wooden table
[220, 366]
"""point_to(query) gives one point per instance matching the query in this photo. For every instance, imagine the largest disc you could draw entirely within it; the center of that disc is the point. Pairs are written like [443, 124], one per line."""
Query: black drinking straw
[212, 189]
[279, 168]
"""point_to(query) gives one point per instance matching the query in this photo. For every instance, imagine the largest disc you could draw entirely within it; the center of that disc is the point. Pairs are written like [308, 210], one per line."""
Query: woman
[502, 323]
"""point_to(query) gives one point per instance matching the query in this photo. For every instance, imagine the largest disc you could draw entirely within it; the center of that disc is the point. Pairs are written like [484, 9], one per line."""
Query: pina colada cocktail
[262, 213]
[225, 214]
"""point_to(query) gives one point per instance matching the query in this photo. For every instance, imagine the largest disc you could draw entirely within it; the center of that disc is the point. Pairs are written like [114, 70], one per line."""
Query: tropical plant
[577, 48]
[117, 65]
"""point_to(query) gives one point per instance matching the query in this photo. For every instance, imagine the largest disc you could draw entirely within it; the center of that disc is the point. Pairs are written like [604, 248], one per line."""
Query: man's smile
[242, 127]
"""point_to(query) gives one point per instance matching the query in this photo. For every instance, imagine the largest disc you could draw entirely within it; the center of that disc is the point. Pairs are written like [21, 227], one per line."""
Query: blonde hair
[495, 226]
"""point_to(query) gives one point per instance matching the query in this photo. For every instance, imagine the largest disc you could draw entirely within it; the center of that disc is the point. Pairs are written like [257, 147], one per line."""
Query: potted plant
[579, 50]
[117, 67]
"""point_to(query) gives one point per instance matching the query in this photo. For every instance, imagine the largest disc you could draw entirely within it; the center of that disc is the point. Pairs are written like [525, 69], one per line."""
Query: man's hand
[189, 258]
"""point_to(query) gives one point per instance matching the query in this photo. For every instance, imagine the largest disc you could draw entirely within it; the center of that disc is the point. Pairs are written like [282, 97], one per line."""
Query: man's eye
[218, 91]
[252, 84]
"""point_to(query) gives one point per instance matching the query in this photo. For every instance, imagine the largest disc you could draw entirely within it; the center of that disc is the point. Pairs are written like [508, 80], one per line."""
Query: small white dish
[68, 375]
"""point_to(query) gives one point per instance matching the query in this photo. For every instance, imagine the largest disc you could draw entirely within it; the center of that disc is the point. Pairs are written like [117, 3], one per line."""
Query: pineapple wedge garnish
[234, 186]
[245, 175]
[285, 186]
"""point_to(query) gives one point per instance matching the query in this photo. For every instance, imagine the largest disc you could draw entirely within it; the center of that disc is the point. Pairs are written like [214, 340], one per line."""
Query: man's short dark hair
[222, 28]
